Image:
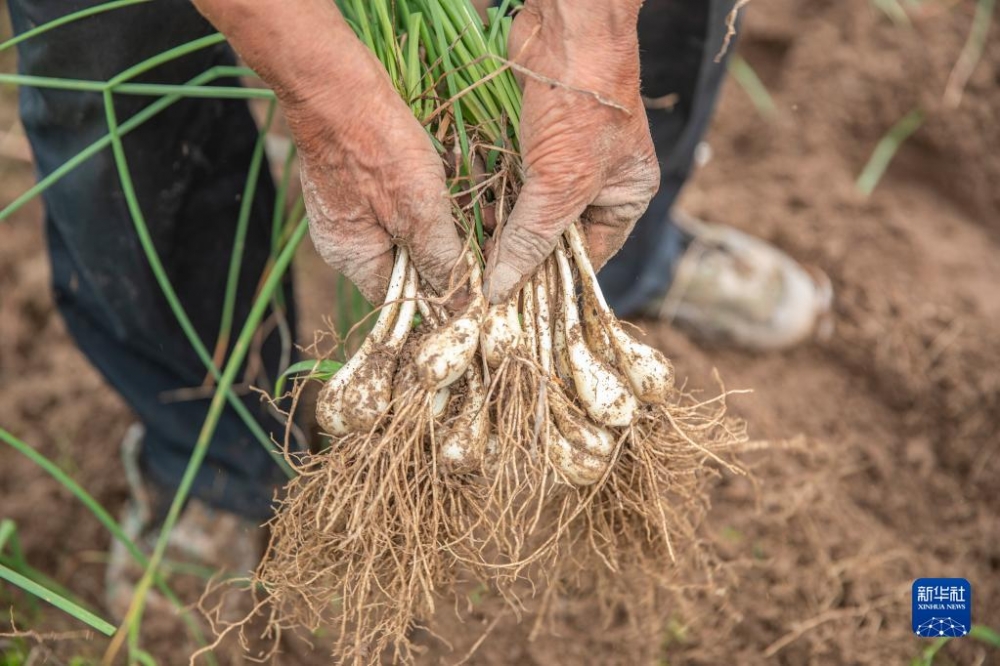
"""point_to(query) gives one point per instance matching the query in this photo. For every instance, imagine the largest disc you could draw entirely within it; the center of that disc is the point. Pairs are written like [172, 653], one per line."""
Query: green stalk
[886, 149]
[755, 89]
[105, 519]
[143, 116]
[243, 343]
[362, 28]
[69, 18]
[137, 89]
[139, 221]
[453, 87]
[240, 240]
[411, 76]
[16, 561]
[105, 141]
[393, 58]
[60, 602]
[197, 92]
[166, 56]
[278, 219]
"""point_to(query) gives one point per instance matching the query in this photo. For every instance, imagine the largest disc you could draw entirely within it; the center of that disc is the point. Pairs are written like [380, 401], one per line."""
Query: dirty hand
[371, 176]
[585, 140]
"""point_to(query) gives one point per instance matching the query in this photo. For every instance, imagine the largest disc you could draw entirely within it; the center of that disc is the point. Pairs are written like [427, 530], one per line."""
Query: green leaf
[69, 18]
[143, 657]
[753, 86]
[985, 635]
[60, 602]
[978, 632]
[886, 150]
[321, 369]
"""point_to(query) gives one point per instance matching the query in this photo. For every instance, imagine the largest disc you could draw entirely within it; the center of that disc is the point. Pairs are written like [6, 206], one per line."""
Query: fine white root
[463, 445]
[446, 353]
[649, 372]
[604, 395]
[330, 402]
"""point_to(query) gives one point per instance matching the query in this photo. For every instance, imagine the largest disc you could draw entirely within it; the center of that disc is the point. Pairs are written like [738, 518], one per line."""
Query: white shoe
[205, 542]
[732, 288]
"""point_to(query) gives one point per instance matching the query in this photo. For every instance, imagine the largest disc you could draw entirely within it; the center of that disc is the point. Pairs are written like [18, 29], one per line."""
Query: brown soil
[881, 459]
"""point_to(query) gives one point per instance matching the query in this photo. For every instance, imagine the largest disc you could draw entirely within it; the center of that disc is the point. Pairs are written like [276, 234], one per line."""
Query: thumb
[436, 248]
[529, 236]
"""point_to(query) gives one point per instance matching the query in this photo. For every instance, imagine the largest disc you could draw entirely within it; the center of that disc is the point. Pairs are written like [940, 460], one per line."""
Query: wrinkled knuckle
[418, 214]
[627, 214]
[529, 246]
[329, 247]
[435, 266]
[648, 183]
[641, 181]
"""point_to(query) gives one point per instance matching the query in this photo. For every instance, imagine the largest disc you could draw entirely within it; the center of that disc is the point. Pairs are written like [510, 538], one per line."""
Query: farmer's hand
[584, 135]
[371, 176]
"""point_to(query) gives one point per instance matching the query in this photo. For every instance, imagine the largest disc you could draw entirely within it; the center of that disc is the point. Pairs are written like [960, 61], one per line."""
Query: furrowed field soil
[878, 458]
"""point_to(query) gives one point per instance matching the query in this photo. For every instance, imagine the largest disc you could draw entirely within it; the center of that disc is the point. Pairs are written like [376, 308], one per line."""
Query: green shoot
[13, 558]
[103, 517]
[978, 632]
[67, 19]
[57, 600]
[318, 369]
[747, 78]
[886, 150]
[239, 242]
[101, 144]
[895, 11]
[273, 282]
[971, 53]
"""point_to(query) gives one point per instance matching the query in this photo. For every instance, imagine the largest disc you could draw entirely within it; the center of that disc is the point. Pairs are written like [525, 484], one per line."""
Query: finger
[542, 213]
[609, 220]
[360, 250]
[606, 228]
[435, 246]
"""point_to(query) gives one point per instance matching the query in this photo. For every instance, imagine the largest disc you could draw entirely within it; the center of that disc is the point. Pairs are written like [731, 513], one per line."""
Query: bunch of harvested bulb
[597, 377]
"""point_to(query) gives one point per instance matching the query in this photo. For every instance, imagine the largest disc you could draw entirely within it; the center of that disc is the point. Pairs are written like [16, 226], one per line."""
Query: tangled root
[374, 534]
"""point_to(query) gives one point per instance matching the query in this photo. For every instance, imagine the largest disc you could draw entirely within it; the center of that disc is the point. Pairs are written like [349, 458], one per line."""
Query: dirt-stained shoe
[732, 288]
[205, 542]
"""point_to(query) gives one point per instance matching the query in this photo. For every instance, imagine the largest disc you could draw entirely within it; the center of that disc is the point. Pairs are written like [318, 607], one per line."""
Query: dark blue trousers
[189, 166]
